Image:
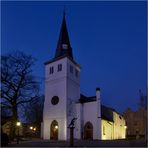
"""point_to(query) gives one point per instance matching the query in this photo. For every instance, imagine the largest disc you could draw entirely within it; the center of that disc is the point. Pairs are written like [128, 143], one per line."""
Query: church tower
[62, 89]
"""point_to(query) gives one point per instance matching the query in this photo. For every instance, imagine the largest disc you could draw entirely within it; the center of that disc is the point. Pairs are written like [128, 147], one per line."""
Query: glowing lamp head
[18, 123]
[125, 127]
[34, 129]
[31, 127]
[56, 127]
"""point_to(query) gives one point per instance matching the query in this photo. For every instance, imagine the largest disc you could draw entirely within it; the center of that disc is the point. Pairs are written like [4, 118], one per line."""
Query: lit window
[71, 68]
[51, 70]
[59, 67]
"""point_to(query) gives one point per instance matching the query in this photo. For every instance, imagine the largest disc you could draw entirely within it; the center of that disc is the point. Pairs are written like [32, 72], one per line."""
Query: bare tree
[18, 84]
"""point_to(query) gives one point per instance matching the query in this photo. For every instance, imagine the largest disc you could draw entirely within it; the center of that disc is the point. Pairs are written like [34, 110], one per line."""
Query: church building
[64, 102]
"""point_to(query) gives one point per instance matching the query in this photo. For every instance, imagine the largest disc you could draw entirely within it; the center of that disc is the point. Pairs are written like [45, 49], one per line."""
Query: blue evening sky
[109, 41]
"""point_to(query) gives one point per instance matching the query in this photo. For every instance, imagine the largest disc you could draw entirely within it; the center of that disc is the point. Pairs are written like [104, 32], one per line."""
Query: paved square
[81, 143]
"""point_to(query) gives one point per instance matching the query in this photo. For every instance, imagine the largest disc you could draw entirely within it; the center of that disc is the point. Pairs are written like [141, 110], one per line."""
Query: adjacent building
[136, 122]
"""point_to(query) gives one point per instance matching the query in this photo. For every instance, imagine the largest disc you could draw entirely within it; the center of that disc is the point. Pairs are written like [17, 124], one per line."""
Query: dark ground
[81, 143]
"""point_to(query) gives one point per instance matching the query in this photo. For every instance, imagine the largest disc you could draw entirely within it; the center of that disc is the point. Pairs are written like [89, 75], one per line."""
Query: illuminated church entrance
[88, 131]
[54, 130]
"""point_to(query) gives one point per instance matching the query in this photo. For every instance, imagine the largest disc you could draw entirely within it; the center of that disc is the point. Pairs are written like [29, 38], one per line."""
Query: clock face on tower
[64, 46]
[55, 100]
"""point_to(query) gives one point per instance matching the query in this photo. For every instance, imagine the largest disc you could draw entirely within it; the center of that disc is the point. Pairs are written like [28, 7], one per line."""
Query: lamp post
[125, 127]
[34, 129]
[18, 124]
[31, 128]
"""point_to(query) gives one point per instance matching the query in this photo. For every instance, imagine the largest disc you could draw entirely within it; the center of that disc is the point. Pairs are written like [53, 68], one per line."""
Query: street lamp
[31, 128]
[18, 124]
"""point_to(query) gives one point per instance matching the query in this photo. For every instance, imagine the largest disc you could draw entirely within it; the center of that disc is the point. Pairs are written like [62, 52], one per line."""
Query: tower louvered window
[51, 70]
[59, 67]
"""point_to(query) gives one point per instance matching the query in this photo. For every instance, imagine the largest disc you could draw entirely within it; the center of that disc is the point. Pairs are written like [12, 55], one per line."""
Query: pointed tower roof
[63, 45]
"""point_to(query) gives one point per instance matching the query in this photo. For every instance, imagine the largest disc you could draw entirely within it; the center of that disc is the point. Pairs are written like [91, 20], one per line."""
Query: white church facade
[63, 101]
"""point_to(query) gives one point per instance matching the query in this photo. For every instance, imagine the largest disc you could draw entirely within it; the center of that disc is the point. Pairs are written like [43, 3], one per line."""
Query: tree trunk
[13, 123]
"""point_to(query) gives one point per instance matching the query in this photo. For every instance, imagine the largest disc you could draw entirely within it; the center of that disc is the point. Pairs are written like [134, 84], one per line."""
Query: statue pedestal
[71, 136]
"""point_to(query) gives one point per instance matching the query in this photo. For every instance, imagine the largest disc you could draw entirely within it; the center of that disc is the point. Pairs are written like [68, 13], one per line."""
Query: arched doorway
[54, 130]
[88, 131]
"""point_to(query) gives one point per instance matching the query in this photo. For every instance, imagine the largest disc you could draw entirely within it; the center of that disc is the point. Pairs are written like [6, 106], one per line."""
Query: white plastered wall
[66, 86]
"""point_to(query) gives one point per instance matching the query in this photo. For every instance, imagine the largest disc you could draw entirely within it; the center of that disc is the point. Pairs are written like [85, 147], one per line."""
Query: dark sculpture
[71, 125]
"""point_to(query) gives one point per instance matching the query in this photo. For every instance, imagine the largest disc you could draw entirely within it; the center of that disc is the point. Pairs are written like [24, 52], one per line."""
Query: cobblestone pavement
[81, 143]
